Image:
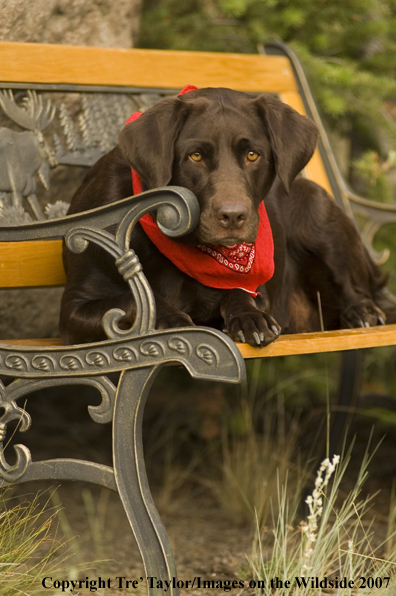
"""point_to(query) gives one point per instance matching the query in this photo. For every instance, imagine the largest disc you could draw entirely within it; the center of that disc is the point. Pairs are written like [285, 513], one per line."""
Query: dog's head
[226, 147]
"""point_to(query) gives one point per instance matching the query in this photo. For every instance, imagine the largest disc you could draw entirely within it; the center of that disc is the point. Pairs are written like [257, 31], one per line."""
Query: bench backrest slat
[315, 170]
[34, 263]
[74, 65]
[28, 264]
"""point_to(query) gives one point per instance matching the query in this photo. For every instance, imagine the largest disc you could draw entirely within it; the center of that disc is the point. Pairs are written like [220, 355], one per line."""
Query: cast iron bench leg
[350, 383]
[131, 479]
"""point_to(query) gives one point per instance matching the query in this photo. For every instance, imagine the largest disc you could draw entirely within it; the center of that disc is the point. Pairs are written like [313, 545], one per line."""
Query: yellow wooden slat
[50, 63]
[30, 264]
[315, 169]
[50, 342]
[326, 341]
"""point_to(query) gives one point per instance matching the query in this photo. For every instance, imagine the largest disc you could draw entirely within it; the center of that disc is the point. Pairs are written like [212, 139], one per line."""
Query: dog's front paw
[254, 327]
[363, 314]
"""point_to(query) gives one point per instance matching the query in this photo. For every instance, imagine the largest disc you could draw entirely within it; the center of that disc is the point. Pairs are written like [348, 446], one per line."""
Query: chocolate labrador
[241, 156]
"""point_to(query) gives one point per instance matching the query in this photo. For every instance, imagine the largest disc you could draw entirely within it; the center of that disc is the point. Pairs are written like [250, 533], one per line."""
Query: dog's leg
[317, 227]
[168, 316]
[246, 319]
[81, 320]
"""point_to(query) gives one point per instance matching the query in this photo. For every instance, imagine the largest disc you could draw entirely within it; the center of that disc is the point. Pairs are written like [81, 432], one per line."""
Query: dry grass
[246, 482]
[28, 548]
[335, 541]
[259, 448]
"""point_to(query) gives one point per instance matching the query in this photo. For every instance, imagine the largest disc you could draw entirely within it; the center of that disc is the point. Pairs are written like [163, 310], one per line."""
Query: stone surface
[29, 314]
[74, 22]
[34, 313]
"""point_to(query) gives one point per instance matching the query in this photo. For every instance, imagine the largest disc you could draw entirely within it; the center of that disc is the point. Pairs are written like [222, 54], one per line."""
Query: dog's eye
[196, 156]
[252, 156]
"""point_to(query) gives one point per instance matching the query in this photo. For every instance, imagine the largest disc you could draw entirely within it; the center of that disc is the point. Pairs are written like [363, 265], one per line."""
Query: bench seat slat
[326, 341]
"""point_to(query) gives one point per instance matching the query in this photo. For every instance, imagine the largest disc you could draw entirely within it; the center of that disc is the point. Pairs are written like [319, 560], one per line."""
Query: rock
[74, 22]
[29, 313]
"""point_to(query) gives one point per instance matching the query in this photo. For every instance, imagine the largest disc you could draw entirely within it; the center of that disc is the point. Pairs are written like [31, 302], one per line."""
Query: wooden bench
[30, 256]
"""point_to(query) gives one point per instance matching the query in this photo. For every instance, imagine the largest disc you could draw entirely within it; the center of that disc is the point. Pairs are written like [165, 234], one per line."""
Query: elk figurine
[22, 154]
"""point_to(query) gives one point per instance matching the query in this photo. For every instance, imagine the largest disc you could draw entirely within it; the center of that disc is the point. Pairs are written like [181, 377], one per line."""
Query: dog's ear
[292, 137]
[148, 142]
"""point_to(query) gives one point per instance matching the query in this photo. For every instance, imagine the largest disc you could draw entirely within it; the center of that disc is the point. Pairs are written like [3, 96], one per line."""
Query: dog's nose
[232, 215]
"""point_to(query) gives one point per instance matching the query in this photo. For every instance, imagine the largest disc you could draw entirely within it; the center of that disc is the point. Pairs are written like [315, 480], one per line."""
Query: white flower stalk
[315, 505]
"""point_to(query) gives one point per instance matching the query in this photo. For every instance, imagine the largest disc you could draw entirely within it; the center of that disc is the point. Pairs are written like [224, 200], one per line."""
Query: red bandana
[245, 266]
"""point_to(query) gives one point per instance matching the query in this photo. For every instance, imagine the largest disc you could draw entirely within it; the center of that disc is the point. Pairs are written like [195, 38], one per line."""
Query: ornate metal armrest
[138, 354]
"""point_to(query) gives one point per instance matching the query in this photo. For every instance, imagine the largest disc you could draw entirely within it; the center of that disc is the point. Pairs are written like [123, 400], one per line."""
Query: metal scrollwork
[104, 411]
[125, 354]
[23, 457]
[177, 214]
[180, 345]
[368, 233]
[128, 264]
[208, 355]
[110, 323]
[11, 411]
[71, 363]
[15, 472]
[154, 349]
[98, 359]
[16, 362]
[46, 363]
